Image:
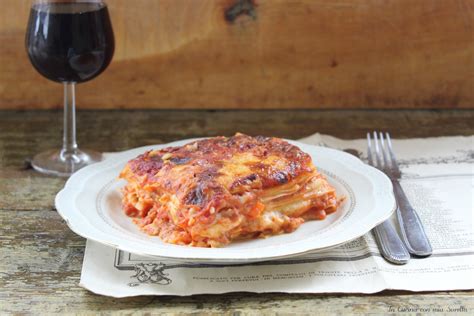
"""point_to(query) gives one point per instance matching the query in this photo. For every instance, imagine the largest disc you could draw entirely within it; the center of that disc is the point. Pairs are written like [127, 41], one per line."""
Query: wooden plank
[264, 54]
[42, 259]
[26, 133]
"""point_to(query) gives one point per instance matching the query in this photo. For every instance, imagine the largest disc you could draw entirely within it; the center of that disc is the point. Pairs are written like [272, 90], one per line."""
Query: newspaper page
[438, 177]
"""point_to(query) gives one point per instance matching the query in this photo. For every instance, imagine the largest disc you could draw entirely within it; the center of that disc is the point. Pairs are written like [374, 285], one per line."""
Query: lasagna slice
[213, 191]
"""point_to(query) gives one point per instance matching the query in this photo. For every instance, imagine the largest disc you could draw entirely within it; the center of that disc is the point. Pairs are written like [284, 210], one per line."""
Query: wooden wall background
[264, 54]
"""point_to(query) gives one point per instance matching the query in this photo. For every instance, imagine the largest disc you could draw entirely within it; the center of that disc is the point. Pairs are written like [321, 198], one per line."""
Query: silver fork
[412, 231]
[390, 245]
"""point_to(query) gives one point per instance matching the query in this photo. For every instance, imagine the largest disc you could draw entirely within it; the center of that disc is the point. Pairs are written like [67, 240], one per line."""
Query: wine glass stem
[69, 150]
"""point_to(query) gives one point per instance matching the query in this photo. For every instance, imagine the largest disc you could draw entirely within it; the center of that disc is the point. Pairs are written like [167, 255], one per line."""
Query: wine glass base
[53, 163]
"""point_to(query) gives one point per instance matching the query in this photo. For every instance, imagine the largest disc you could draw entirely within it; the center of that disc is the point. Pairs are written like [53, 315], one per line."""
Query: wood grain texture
[264, 54]
[42, 258]
[24, 133]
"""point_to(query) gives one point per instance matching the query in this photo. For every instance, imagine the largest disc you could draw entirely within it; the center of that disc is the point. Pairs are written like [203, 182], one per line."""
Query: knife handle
[412, 230]
[390, 245]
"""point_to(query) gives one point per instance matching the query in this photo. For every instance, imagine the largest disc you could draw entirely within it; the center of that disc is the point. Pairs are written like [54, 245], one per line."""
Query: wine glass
[70, 42]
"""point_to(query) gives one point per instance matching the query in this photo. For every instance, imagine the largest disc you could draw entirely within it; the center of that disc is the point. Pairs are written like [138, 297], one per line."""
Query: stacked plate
[90, 203]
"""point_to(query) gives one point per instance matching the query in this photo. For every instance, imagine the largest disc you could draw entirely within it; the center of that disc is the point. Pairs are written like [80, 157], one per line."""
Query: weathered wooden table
[41, 258]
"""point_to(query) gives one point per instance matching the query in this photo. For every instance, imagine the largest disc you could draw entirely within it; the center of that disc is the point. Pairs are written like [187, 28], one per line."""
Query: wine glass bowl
[70, 42]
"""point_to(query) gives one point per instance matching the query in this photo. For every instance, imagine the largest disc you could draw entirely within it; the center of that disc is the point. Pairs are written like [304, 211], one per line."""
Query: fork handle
[412, 230]
[390, 245]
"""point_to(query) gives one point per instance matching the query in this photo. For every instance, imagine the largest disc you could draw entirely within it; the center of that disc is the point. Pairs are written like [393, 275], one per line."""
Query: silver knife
[412, 230]
[390, 245]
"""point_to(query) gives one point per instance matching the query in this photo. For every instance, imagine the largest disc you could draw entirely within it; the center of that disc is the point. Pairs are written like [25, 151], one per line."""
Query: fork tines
[383, 151]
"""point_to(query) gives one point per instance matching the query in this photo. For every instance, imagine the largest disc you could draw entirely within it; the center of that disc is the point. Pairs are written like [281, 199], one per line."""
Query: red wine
[70, 42]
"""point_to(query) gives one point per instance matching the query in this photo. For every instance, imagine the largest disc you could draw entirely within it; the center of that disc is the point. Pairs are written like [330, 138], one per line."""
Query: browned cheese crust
[211, 191]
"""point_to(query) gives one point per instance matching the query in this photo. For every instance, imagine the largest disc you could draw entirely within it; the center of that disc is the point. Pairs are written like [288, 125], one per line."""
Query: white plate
[90, 203]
